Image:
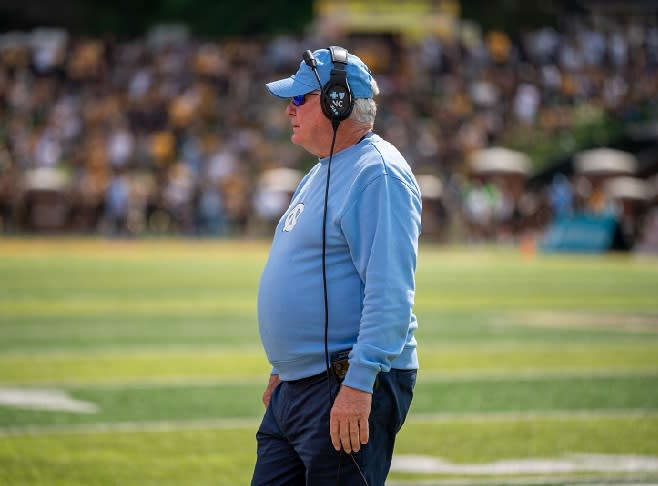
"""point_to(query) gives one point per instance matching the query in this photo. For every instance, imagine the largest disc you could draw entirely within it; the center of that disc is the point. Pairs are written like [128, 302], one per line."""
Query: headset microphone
[312, 62]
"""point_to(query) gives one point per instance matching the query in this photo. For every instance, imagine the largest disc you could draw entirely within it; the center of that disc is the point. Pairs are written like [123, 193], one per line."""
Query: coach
[336, 294]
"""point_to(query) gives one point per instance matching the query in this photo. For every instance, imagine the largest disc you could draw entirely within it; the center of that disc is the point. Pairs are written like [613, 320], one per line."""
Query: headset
[337, 103]
[335, 96]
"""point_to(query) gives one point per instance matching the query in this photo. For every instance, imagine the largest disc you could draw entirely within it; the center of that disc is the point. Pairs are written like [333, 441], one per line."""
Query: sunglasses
[299, 100]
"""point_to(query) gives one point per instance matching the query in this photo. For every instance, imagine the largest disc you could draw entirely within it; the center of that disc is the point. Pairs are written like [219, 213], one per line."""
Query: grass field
[138, 363]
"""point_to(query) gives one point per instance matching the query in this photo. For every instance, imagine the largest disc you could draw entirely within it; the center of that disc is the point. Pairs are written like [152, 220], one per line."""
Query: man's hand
[271, 385]
[348, 422]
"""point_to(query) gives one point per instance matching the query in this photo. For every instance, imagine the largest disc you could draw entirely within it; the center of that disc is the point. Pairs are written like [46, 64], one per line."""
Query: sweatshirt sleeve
[382, 226]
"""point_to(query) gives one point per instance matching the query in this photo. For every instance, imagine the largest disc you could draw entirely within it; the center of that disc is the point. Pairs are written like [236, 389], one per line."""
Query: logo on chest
[293, 216]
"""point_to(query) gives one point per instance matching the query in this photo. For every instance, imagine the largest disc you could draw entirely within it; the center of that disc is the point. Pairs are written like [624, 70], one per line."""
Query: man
[336, 295]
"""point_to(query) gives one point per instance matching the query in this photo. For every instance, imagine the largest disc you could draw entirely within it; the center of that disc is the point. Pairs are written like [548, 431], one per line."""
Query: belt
[340, 363]
[339, 368]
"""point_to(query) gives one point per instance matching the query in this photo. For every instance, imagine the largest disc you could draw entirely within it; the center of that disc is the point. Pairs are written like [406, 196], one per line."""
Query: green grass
[195, 456]
[520, 358]
[202, 456]
[247, 363]
[223, 401]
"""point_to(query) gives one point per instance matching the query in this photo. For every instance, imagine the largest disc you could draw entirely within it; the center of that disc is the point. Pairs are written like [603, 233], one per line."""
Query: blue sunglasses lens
[298, 100]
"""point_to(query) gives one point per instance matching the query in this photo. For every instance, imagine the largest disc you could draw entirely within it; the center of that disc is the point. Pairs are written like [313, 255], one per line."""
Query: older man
[336, 295]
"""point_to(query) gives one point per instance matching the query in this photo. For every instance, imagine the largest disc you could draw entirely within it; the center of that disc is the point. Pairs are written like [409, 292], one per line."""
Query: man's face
[311, 129]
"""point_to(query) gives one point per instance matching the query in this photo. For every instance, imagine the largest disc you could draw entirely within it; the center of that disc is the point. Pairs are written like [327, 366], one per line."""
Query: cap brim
[289, 87]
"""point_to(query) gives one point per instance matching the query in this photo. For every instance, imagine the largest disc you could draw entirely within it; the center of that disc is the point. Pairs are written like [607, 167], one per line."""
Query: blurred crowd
[171, 134]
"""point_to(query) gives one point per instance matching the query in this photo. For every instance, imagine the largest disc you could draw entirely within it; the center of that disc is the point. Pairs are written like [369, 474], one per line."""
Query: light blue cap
[304, 81]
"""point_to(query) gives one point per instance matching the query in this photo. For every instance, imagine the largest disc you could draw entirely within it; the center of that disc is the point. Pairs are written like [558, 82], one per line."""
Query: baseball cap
[304, 80]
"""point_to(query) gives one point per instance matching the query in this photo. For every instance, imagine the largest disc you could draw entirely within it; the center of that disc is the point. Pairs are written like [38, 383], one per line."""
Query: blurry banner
[584, 233]
[413, 18]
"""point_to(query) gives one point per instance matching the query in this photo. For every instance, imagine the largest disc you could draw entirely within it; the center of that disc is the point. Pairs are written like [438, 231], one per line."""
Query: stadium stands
[171, 135]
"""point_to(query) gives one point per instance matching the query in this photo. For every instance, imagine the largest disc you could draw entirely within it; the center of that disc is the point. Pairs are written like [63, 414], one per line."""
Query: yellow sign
[412, 18]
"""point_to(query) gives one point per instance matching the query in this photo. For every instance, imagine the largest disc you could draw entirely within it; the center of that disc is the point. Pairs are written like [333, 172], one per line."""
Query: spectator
[561, 196]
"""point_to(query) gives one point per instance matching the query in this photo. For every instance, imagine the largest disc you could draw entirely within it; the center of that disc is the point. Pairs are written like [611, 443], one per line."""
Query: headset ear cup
[335, 96]
[336, 100]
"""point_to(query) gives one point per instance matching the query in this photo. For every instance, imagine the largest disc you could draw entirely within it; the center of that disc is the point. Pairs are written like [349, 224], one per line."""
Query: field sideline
[138, 362]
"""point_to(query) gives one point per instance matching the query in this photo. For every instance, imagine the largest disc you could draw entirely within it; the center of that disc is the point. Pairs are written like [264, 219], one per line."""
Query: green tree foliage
[211, 18]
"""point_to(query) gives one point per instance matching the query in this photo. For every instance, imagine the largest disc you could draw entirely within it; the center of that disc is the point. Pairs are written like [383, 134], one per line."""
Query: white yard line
[423, 378]
[483, 417]
[44, 399]
[252, 422]
[516, 374]
[552, 480]
[146, 382]
[129, 427]
[197, 349]
[563, 464]
[136, 351]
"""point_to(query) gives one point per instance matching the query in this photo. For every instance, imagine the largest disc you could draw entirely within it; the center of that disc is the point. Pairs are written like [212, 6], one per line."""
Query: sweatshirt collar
[367, 136]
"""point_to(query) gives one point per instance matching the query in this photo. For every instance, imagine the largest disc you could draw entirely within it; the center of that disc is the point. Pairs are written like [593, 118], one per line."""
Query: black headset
[335, 96]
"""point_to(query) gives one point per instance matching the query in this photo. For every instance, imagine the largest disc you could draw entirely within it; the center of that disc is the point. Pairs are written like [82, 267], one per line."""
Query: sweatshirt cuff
[361, 377]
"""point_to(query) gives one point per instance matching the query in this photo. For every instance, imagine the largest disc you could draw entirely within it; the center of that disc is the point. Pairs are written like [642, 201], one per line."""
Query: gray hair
[365, 109]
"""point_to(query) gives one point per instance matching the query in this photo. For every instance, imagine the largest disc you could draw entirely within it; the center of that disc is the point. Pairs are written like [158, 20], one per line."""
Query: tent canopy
[281, 179]
[604, 161]
[627, 188]
[500, 160]
[45, 179]
[430, 185]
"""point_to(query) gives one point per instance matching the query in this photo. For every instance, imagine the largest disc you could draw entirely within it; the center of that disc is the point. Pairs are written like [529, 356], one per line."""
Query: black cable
[358, 468]
[324, 265]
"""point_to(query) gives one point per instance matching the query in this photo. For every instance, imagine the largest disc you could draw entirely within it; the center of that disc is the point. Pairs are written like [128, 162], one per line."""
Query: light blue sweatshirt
[373, 225]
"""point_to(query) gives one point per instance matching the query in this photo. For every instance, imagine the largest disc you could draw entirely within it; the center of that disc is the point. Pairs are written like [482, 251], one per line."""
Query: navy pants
[294, 445]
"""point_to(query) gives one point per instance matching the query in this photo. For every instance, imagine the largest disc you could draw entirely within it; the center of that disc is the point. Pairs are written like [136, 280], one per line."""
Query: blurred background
[533, 124]
[143, 166]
